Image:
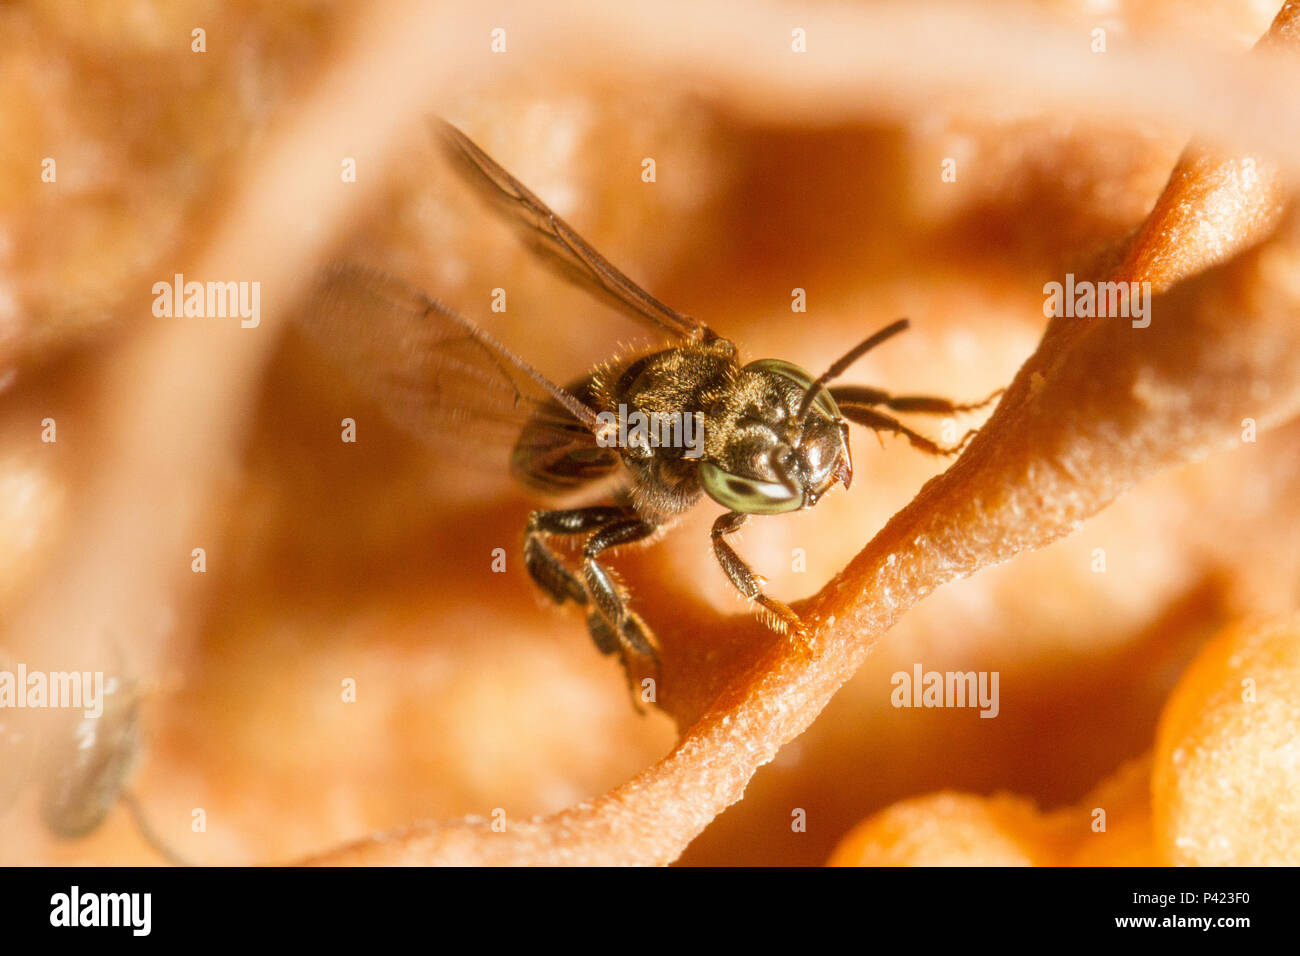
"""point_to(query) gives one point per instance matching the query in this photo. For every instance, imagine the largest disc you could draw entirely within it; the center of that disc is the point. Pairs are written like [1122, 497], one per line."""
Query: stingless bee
[774, 438]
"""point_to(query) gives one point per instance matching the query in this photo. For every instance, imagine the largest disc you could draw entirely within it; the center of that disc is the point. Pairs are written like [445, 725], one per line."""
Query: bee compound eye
[748, 495]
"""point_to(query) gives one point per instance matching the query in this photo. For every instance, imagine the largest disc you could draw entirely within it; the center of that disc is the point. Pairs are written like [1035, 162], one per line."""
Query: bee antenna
[844, 361]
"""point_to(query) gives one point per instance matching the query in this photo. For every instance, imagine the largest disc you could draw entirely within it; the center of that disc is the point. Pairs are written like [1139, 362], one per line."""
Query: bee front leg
[771, 612]
[856, 404]
[880, 422]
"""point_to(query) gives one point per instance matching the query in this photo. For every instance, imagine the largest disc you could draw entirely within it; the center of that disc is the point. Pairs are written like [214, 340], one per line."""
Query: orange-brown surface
[1121, 683]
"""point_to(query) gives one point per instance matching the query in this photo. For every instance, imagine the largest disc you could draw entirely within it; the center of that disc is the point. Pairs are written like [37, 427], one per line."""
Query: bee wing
[434, 372]
[552, 235]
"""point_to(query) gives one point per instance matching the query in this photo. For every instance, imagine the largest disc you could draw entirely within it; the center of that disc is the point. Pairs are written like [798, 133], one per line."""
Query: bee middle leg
[608, 596]
[920, 404]
[548, 571]
[612, 625]
[773, 613]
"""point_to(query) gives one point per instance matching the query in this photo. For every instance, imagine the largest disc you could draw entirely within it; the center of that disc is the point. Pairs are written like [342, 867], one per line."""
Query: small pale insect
[758, 437]
[87, 772]
[89, 768]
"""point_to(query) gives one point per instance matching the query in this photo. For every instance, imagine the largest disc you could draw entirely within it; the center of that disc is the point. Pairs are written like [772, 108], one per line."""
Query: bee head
[776, 443]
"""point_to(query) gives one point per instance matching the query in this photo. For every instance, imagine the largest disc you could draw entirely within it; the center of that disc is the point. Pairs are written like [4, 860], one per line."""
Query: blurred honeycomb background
[372, 562]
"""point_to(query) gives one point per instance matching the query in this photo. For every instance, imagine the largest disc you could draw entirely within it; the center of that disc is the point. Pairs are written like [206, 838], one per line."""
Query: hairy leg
[921, 404]
[772, 612]
[881, 422]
